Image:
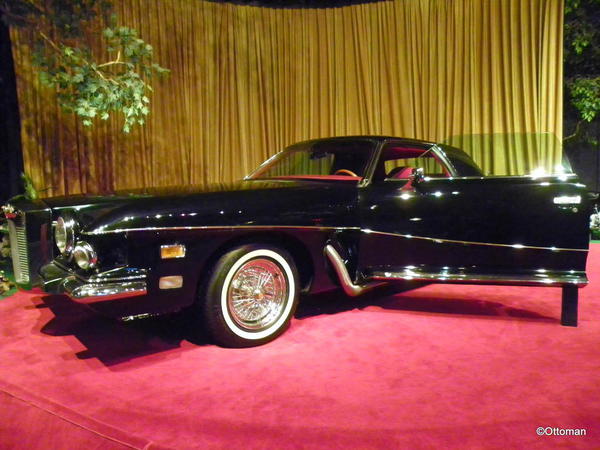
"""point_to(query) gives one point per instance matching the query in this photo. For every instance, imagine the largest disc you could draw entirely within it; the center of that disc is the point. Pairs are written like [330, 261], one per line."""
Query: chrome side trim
[321, 228]
[488, 244]
[99, 279]
[221, 227]
[349, 287]
[556, 176]
[138, 316]
[102, 277]
[117, 275]
[578, 280]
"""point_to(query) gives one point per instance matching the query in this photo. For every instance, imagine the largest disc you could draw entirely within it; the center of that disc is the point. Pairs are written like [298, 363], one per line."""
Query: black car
[354, 212]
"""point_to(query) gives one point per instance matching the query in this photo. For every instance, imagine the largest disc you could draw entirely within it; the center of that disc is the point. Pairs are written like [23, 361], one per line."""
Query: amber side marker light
[172, 251]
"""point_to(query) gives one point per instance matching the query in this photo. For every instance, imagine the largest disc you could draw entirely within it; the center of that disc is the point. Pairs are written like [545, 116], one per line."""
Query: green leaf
[85, 86]
[585, 93]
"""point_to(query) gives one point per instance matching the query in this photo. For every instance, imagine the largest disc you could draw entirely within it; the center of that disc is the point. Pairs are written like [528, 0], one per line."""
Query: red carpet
[437, 367]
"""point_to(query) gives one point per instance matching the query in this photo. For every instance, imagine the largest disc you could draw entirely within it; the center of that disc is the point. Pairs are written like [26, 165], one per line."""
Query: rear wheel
[250, 296]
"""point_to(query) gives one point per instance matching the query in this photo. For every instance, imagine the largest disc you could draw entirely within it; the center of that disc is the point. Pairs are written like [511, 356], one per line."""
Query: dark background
[11, 158]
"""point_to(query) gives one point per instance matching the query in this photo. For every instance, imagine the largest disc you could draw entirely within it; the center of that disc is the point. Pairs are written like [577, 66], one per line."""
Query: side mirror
[417, 176]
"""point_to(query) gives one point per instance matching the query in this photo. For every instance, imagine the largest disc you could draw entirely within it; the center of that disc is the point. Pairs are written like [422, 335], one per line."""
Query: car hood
[222, 204]
[128, 195]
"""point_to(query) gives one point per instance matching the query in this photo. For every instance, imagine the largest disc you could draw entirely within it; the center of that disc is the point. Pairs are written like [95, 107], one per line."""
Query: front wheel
[250, 296]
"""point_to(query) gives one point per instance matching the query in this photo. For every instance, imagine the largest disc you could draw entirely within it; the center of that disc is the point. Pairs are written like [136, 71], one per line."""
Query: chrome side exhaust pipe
[351, 289]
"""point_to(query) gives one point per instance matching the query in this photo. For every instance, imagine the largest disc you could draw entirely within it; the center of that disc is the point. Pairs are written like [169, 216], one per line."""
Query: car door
[448, 227]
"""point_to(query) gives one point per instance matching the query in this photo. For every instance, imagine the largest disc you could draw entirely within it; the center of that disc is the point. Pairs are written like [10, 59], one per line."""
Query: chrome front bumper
[101, 287]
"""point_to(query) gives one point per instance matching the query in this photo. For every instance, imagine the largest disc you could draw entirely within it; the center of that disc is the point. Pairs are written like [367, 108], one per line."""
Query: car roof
[457, 156]
[376, 138]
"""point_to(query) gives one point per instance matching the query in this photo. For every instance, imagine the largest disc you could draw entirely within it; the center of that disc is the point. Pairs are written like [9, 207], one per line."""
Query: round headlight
[64, 235]
[84, 255]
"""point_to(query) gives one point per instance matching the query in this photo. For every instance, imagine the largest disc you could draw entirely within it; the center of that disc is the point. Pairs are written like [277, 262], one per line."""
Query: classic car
[349, 212]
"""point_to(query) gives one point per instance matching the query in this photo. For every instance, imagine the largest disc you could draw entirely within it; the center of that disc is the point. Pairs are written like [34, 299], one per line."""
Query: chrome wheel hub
[257, 294]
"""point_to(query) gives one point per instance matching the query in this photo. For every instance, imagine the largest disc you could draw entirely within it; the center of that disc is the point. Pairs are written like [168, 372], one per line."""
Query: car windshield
[334, 160]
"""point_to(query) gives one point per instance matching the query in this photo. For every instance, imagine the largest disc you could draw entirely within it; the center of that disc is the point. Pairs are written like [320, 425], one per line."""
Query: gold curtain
[485, 75]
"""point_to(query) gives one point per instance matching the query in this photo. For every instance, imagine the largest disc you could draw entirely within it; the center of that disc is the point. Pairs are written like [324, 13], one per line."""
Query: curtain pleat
[483, 75]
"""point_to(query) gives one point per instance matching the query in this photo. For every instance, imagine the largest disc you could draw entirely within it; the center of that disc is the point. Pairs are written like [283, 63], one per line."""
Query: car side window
[397, 162]
[336, 157]
[402, 167]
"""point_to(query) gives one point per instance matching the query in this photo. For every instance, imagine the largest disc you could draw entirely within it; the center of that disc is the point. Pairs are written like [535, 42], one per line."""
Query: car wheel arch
[297, 249]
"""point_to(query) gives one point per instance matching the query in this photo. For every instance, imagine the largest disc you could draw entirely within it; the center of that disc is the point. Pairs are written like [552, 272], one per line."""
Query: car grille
[18, 247]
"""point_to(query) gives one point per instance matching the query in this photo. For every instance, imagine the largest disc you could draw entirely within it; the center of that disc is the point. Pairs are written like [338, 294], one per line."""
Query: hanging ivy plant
[89, 85]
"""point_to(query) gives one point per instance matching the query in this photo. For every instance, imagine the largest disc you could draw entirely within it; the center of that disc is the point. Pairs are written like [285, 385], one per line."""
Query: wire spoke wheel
[257, 294]
[251, 295]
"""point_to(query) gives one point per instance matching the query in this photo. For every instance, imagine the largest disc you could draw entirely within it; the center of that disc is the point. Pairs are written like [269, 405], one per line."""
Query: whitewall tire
[250, 296]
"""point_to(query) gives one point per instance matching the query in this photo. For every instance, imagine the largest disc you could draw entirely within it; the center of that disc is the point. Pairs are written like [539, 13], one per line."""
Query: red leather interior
[400, 172]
